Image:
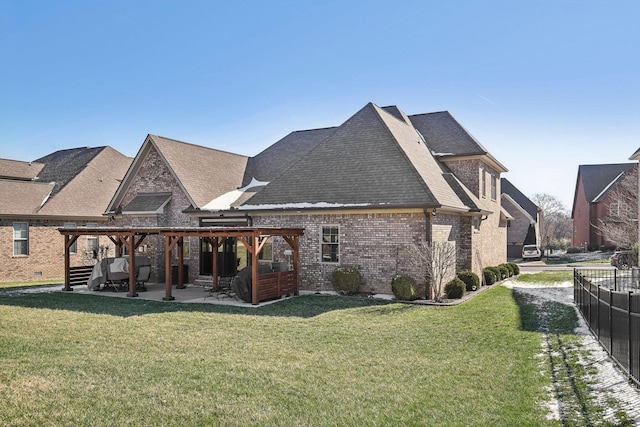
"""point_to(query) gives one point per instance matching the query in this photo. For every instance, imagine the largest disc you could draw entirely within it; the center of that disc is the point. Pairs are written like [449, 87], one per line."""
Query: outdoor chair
[142, 277]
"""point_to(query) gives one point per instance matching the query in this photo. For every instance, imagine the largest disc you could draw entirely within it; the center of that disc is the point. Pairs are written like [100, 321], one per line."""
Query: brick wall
[155, 177]
[45, 260]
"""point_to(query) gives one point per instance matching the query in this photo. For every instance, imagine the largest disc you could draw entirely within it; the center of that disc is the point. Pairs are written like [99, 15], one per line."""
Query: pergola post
[132, 266]
[167, 268]
[180, 263]
[68, 241]
[214, 262]
[254, 269]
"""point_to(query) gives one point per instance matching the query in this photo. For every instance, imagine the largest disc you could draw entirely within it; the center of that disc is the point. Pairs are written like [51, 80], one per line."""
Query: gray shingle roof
[596, 178]
[205, 173]
[372, 159]
[15, 169]
[525, 203]
[444, 134]
[72, 183]
[22, 198]
[64, 165]
[147, 202]
[273, 161]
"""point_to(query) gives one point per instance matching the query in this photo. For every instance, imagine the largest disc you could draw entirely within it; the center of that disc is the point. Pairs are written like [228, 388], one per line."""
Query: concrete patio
[190, 294]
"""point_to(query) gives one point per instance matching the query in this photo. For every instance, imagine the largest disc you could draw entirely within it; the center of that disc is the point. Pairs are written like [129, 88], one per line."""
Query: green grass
[7, 285]
[68, 359]
[547, 277]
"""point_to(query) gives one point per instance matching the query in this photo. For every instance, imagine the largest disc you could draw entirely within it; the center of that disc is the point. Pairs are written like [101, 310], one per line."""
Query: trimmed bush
[504, 271]
[346, 280]
[470, 279]
[497, 272]
[489, 276]
[509, 269]
[574, 250]
[515, 267]
[405, 288]
[455, 288]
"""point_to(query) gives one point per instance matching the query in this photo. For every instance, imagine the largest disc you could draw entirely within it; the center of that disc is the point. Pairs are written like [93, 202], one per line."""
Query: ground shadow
[306, 306]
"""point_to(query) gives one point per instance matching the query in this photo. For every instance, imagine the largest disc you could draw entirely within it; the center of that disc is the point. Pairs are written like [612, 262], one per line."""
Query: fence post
[630, 337]
[615, 280]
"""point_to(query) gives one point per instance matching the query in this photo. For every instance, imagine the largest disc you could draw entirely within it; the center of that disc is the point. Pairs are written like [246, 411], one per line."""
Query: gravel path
[612, 382]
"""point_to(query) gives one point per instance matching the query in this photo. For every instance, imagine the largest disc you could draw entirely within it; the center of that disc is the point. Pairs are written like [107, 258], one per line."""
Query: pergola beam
[253, 238]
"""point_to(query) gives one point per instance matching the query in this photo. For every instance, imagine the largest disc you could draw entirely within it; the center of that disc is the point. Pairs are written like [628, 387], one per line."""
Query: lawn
[69, 359]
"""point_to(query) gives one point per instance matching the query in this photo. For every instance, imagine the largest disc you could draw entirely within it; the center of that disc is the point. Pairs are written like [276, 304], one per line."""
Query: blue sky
[544, 85]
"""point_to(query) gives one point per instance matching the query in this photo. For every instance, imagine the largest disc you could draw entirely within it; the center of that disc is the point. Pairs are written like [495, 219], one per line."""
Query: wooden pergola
[253, 238]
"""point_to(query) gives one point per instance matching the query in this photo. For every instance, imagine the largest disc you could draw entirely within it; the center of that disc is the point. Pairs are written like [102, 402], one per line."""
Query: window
[494, 189]
[484, 183]
[92, 242]
[614, 209]
[20, 238]
[330, 244]
[74, 246]
[266, 253]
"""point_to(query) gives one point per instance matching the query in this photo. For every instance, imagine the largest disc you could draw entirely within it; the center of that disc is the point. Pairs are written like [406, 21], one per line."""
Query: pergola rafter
[253, 238]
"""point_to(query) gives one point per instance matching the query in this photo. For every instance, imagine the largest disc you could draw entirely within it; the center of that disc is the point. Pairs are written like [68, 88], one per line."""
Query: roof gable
[202, 173]
[597, 178]
[519, 198]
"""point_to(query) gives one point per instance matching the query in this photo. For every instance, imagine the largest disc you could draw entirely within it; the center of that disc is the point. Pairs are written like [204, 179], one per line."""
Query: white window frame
[483, 183]
[91, 239]
[329, 244]
[24, 238]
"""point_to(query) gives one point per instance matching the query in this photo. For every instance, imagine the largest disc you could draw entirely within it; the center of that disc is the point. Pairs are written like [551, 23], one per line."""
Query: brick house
[592, 201]
[364, 192]
[66, 188]
[524, 225]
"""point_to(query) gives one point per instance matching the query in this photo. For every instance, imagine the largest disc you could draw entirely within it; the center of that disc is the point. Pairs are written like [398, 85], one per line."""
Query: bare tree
[437, 260]
[620, 225]
[556, 223]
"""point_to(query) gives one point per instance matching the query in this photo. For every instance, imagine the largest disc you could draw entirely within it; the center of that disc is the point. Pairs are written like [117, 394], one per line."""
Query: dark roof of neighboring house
[525, 203]
[372, 159]
[16, 169]
[597, 178]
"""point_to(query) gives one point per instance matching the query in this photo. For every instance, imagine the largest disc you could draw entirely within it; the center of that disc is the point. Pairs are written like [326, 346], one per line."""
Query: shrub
[504, 271]
[455, 288]
[515, 267]
[497, 272]
[346, 280]
[574, 250]
[489, 276]
[470, 279]
[405, 288]
[509, 269]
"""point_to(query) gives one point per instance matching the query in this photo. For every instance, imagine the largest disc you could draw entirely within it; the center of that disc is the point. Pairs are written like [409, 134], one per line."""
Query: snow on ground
[611, 380]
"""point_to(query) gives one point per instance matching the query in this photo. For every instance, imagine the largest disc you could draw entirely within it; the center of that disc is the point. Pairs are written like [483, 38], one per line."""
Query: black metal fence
[609, 301]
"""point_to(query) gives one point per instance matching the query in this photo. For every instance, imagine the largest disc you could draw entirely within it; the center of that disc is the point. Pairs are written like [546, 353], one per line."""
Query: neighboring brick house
[524, 226]
[364, 192]
[66, 188]
[592, 201]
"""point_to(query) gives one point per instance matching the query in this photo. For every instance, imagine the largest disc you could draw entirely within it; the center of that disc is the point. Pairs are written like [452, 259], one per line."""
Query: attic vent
[421, 137]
